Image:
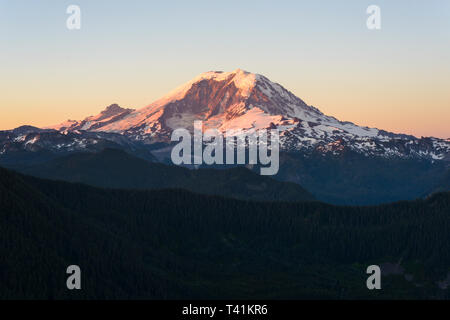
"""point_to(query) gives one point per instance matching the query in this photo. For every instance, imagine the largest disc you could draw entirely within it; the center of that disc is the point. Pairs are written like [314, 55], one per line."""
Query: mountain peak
[113, 107]
[243, 80]
[224, 74]
[110, 114]
[112, 110]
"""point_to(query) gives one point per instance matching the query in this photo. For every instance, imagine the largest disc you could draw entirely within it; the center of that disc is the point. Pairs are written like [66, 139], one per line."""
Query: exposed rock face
[111, 114]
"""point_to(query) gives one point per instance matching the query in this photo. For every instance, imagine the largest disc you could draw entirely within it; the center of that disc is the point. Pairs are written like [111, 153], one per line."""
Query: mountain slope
[179, 245]
[113, 168]
[443, 184]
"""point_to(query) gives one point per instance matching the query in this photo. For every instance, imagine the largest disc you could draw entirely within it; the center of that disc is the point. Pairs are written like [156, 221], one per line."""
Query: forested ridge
[163, 244]
[114, 168]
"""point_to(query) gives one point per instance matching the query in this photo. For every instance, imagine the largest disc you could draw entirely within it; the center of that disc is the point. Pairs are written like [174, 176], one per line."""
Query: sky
[132, 52]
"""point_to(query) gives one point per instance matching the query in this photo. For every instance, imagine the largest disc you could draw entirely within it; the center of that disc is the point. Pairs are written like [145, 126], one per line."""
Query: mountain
[243, 100]
[112, 168]
[337, 161]
[172, 244]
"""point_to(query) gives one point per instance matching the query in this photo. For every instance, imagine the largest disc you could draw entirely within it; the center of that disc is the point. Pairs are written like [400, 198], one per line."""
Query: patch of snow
[20, 138]
[32, 141]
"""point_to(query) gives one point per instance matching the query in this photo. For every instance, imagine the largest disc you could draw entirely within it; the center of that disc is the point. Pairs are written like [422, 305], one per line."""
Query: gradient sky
[132, 52]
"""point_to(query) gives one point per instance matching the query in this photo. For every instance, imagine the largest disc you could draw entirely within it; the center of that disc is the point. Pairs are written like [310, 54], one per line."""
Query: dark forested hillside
[112, 168]
[352, 179]
[176, 244]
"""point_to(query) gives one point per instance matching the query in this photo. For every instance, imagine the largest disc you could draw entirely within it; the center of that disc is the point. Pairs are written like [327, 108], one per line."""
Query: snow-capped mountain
[339, 162]
[248, 101]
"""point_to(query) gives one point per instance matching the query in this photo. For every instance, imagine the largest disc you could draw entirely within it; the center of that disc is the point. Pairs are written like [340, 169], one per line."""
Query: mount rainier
[243, 100]
[337, 161]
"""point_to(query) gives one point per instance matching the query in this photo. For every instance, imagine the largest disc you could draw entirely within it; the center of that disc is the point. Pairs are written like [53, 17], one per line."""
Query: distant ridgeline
[176, 244]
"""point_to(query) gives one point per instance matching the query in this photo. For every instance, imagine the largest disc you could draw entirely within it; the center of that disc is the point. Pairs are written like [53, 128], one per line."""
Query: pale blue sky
[132, 52]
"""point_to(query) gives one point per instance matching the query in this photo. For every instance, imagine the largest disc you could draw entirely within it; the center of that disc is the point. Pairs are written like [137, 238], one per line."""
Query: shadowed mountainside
[112, 168]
